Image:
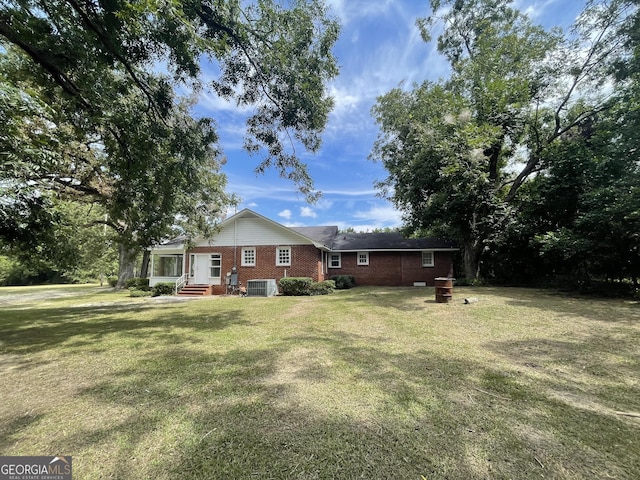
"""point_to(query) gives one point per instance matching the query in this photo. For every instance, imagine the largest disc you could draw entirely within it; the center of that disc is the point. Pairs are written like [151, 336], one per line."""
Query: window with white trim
[248, 257]
[283, 256]
[428, 258]
[216, 265]
[335, 260]
[363, 258]
[167, 265]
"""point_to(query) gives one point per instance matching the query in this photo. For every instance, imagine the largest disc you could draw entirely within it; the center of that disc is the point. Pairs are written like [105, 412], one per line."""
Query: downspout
[235, 244]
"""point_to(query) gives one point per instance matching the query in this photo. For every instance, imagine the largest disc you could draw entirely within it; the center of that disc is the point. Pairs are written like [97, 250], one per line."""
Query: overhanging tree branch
[112, 49]
[42, 58]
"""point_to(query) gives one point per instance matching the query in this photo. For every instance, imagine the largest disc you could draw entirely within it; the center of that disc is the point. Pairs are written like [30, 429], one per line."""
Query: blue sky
[379, 49]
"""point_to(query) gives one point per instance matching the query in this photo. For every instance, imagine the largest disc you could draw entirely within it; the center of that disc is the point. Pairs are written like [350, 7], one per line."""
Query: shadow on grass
[25, 331]
[594, 366]
[373, 414]
[15, 425]
[583, 384]
[243, 419]
[571, 306]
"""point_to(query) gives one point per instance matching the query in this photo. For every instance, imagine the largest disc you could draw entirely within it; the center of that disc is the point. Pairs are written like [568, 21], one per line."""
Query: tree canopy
[460, 151]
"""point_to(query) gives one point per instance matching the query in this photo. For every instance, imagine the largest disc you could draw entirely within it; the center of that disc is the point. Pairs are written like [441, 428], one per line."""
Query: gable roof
[318, 236]
[349, 242]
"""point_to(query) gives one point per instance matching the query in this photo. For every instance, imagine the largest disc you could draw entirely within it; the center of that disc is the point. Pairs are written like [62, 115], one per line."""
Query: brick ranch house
[258, 248]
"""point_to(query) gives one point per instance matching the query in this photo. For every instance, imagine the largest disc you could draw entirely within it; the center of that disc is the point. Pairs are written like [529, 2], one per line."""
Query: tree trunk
[126, 263]
[471, 260]
[146, 258]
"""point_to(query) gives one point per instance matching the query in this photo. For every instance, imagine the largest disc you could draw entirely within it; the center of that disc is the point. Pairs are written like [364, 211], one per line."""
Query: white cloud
[212, 102]
[285, 214]
[350, 10]
[347, 100]
[324, 204]
[382, 216]
[551, 13]
[307, 212]
[350, 193]
[536, 10]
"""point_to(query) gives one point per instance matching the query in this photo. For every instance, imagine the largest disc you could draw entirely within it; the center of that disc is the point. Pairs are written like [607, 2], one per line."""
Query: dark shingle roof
[177, 242]
[322, 234]
[387, 241]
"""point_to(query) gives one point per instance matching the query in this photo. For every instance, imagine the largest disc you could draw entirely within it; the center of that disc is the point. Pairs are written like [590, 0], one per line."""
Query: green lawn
[369, 383]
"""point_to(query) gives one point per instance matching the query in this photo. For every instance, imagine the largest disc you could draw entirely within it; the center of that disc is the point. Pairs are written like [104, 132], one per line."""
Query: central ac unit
[262, 288]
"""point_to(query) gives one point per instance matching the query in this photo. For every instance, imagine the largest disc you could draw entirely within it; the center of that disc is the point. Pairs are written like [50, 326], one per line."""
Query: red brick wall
[384, 269]
[305, 262]
[393, 268]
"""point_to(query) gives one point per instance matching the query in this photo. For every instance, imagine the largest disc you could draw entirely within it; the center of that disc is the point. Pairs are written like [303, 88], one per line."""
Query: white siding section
[153, 281]
[254, 231]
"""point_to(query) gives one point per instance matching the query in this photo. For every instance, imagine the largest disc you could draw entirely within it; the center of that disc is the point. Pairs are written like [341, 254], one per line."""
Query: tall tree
[584, 210]
[459, 150]
[113, 129]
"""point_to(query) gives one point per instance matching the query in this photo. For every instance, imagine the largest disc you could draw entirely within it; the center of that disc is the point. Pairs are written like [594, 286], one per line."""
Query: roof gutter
[397, 250]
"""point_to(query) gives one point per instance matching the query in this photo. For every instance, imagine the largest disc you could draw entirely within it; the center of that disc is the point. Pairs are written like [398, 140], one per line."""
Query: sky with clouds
[379, 48]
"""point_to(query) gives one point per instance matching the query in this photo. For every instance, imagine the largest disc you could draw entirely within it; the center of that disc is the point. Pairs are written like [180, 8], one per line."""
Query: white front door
[201, 269]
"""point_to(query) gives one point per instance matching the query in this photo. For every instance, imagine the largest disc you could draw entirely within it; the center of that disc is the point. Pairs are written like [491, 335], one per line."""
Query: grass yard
[371, 383]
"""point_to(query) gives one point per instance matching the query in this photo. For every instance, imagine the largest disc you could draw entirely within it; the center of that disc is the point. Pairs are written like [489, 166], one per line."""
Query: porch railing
[181, 282]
